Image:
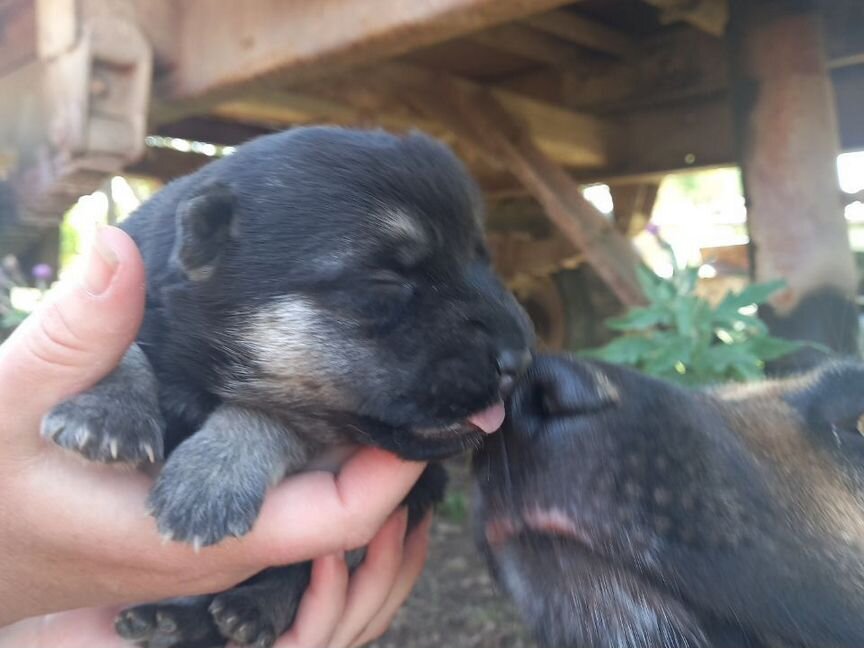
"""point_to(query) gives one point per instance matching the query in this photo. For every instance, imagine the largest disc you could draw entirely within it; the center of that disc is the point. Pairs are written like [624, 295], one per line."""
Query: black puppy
[622, 511]
[318, 287]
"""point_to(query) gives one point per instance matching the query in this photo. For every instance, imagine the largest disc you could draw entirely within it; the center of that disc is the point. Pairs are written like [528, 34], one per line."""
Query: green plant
[10, 279]
[454, 508]
[681, 337]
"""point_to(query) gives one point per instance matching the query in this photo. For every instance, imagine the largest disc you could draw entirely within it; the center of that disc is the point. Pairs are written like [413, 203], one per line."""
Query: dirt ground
[456, 604]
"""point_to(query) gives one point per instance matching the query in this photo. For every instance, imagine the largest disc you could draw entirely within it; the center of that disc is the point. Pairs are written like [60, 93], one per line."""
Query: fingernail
[101, 264]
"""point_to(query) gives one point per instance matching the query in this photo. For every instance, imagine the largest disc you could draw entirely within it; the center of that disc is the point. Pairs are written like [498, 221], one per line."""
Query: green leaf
[12, 319]
[723, 357]
[685, 310]
[686, 279]
[639, 319]
[623, 350]
[756, 293]
[656, 288]
[667, 352]
[767, 347]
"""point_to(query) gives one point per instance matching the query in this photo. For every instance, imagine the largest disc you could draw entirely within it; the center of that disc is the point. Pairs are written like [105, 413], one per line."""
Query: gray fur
[118, 420]
[214, 483]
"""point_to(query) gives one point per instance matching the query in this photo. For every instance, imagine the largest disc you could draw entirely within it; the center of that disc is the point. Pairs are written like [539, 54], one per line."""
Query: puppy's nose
[558, 387]
[511, 365]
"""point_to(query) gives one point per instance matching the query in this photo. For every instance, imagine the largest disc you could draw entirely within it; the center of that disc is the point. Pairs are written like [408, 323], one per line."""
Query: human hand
[336, 612]
[78, 534]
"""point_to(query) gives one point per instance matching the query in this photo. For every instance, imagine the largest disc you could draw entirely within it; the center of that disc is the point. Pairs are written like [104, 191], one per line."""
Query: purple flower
[43, 272]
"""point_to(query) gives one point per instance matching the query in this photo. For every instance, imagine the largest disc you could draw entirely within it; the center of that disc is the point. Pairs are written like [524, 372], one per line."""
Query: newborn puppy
[622, 511]
[319, 287]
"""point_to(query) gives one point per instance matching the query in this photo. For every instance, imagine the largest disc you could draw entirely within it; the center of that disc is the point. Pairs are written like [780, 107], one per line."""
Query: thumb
[76, 337]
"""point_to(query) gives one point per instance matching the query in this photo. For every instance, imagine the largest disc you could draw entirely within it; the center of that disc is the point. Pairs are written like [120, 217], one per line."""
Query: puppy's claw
[196, 544]
[148, 450]
[265, 641]
[131, 625]
[50, 429]
[167, 537]
[82, 436]
[166, 623]
[238, 531]
[113, 447]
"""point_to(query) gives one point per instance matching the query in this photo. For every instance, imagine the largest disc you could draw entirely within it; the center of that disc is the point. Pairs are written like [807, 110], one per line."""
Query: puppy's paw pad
[240, 618]
[106, 430]
[201, 512]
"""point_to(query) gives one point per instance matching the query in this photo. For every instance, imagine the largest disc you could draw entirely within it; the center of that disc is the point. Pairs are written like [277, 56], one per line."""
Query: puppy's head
[619, 510]
[344, 273]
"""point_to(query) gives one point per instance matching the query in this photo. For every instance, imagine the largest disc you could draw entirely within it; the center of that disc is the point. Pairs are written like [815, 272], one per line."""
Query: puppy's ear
[832, 395]
[205, 225]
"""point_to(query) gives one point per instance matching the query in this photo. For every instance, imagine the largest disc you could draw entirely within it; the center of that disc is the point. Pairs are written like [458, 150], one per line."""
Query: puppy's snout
[557, 389]
[511, 365]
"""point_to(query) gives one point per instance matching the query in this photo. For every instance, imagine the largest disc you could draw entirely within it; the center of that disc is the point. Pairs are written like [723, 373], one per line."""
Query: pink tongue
[489, 419]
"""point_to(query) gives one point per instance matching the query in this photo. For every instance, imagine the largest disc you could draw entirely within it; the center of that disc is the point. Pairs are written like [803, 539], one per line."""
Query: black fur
[622, 511]
[319, 287]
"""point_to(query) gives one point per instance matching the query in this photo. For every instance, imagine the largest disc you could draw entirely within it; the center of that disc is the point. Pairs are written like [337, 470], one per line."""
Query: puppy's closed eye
[385, 296]
[391, 285]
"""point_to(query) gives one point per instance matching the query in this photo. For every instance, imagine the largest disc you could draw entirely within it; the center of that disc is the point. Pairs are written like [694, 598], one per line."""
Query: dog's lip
[542, 521]
[490, 419]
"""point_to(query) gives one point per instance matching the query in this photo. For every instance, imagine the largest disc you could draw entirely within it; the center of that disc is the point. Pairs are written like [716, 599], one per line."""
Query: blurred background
[718, 143]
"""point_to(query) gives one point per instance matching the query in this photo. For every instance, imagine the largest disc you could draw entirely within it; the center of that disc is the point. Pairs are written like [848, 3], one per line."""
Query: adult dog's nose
[511, 365]
[559, 388]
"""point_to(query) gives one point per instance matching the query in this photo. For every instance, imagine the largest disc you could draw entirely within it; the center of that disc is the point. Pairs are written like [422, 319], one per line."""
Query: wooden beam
[585, 33]
[17, 34]
[251, 43]
[375, 95]
[633, 204]
[536, 45]
[849, 199]
[788, 147]
[287, 108]
[212, 131]
[516, 254]
[678, 64]
[711, 16]
[849, 94]
[166, 164]
[693, 134]
[478, 116]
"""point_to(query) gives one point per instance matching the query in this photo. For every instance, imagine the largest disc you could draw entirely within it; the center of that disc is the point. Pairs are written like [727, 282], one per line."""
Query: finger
[77, 335]
[317, 513]
[371, 583]
[75, 629]
[321, 607]
[413, 559]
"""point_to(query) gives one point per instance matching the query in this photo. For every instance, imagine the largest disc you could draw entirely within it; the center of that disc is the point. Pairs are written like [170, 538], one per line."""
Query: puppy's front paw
[107, 429]
[201, 503]
[245, 618]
